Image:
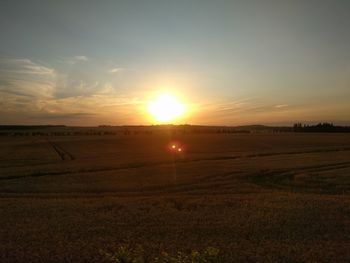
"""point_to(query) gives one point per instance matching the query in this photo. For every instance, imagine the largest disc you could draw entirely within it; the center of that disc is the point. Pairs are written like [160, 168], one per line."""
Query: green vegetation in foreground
[125, 254]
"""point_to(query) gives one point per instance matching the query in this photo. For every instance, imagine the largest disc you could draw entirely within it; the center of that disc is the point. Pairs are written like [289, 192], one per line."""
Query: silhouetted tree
[320, 127]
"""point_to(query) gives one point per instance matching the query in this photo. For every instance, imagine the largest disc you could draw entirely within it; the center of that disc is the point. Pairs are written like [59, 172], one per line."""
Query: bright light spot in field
[165, 108]
[180, 150]
[173, 146]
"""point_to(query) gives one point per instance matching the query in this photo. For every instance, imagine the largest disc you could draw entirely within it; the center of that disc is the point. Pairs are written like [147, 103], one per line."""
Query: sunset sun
[165, 108]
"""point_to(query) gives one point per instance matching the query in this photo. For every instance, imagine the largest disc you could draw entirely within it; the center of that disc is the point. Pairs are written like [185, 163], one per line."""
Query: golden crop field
[256, 197]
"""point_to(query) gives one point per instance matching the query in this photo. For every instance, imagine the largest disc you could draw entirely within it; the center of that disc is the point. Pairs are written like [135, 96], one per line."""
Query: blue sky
[231, 62]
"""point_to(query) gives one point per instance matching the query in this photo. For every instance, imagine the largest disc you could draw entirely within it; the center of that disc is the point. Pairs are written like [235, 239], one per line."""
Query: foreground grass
[257, 227]
[125, 254]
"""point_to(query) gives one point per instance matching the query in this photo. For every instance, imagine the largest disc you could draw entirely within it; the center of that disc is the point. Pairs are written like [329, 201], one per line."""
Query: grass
[119, 194]
[125, 254]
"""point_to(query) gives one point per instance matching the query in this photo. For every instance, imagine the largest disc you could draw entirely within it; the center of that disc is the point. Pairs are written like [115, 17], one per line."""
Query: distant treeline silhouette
[321, 127]
[102, 130]
[29, 127]
[105, 130]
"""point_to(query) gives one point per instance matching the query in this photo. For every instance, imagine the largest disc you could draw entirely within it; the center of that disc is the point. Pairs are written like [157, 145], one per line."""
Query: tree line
[320, 127]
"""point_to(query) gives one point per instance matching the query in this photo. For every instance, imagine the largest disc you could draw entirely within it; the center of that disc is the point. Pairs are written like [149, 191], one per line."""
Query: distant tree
[320, 127]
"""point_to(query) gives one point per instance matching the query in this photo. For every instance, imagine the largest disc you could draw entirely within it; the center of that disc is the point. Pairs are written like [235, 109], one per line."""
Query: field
[256, 197]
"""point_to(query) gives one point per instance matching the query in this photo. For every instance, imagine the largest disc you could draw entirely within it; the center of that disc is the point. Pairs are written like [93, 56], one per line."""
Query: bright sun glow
[165, 108]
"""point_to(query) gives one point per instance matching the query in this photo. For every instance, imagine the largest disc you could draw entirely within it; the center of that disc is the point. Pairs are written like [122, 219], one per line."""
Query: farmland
[257, 197]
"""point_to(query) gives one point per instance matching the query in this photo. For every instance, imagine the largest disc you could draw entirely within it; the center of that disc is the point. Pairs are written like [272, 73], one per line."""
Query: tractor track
[65, 155]
[224, 183]
[285, 178]
[61, 152]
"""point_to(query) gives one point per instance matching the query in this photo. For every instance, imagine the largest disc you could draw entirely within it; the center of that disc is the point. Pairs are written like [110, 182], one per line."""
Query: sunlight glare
[165, 108]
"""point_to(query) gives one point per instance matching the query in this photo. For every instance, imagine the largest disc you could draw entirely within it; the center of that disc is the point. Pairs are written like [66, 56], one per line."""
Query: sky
[87, 63]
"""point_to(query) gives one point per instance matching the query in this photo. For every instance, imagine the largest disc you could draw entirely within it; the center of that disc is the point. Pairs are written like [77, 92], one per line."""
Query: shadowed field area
[255, 197]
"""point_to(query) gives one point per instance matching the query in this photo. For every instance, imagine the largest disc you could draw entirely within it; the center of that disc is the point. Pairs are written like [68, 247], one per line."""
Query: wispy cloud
[30, 90]
[116, 70]
[63, 116]
[23, 77]
[281, 106]
[74, 60]
[23, 66]
[81, 58]
[245, 111]
[76, 88]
